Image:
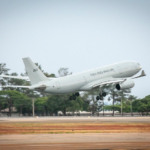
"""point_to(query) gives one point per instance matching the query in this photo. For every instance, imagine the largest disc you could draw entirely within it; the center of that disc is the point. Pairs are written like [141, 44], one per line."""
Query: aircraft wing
[113, 81]
[107, 83]
[16, 77]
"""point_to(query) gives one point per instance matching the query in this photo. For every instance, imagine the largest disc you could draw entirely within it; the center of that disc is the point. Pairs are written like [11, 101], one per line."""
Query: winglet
[141, 75]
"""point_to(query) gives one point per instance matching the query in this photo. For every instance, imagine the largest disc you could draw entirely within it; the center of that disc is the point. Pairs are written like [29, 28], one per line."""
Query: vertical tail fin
[34, 73]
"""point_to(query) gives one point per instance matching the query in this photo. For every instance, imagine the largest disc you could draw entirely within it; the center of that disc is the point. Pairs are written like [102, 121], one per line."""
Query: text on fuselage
[102, 72]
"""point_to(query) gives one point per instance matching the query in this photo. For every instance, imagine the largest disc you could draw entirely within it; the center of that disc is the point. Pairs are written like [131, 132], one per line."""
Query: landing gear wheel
[77, 94]
[97, 98]
[74, 97]
[70, 98]
[104, 94]
[101, 97]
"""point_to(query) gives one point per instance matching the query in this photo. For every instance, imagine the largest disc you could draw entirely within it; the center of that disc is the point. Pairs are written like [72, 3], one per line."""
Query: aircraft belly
[63, 90]
[70, 88]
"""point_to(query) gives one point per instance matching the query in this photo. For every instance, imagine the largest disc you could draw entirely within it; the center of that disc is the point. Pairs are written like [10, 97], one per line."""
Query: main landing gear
[101, 96]
[74, 96]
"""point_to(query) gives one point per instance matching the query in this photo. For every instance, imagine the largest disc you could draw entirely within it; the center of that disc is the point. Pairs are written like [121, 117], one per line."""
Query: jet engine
[129, 83]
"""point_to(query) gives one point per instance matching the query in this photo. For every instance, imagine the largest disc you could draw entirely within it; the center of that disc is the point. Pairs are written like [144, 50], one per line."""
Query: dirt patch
[85, 133]
[26, 128]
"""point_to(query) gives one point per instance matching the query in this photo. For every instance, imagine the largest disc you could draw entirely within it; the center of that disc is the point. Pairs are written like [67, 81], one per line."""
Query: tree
[114, 97]
[147, 98]
[3, 103]
[116, 107]
[41, 107]
[54, 104]
[14, 98]
[131, 98]
[3, 70]
[63, 72]
[91, 103]
[22, 103]
[8, 98]
[75, 105]
[142, 105]
[122, 97]
[62, 103]
[52, 75]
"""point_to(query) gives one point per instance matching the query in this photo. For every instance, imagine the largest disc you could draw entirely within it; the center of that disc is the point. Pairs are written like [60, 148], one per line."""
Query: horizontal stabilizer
[16, 77]
[37, 87]
[15, 86]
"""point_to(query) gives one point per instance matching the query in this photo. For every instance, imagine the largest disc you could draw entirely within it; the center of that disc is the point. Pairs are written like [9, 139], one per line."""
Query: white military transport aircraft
[118, 75]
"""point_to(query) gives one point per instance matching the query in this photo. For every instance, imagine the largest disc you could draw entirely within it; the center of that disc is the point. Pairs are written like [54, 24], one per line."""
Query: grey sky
[79, 34]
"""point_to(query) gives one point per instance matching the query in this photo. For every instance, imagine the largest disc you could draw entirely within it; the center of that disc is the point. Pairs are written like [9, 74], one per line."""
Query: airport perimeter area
[72, 133]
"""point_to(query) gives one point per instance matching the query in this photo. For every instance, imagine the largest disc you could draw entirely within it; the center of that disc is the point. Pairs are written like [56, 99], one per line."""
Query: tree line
[46, 104]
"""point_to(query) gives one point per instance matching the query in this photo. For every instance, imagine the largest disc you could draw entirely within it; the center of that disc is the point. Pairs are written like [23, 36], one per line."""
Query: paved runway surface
[73, 141]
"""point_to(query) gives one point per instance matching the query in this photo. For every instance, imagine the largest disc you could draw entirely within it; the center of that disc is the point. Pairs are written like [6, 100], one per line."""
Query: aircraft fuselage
[83, 81]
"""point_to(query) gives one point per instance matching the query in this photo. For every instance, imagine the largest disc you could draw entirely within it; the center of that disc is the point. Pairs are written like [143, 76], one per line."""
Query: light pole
[131, 108]
[121, 104]
[33, 110]
[103, 106]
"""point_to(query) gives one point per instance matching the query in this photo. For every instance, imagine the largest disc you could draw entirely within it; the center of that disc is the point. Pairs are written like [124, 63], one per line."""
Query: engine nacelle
[129, 83]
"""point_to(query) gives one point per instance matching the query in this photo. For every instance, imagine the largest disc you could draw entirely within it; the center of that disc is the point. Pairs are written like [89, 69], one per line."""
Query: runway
[134, 135]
